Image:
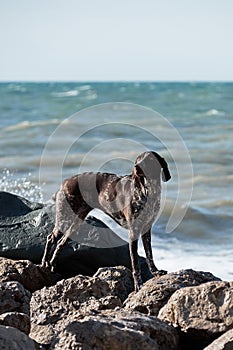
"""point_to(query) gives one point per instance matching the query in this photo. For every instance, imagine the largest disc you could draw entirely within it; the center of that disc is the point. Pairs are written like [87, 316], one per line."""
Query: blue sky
[107, 40]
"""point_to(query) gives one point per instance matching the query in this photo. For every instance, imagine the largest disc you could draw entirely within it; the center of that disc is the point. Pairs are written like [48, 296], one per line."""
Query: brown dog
[133, 201]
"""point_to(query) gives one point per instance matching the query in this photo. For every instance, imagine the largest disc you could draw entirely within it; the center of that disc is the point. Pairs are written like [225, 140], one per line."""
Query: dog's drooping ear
[166, 176]
[165, 172]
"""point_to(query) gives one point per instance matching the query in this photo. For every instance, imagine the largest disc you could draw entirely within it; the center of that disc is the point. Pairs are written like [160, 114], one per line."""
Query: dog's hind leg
[62, 211]
[48, 249]
[73, 224]
[74, 227]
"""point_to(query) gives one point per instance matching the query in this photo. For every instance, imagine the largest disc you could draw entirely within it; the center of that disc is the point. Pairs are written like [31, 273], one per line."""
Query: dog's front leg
[146, 240]
[136, 271]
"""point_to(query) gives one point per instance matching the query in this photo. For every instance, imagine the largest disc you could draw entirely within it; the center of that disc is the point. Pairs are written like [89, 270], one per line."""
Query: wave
[26, 124]
[208, 179]
[213, 112]
[69, 93]
[85, 91]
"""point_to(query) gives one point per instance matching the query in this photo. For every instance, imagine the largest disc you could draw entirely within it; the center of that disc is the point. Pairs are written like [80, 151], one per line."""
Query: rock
[13, 339]
[155, 293]
[225, 342]
[12, 205]
[75, 298]
[202, 313]
[24, 227]
[31, 276]
[15, 306]
[14, 298]
[117, 330]
[119, 279]
[16, 320]
[43, 334]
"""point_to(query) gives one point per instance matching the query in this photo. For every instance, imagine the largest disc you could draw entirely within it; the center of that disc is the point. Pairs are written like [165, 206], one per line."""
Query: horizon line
[112, 81]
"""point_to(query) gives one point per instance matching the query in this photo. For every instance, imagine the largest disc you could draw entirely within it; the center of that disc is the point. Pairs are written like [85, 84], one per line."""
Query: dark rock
[201, 313]
[24, 227]
[12, 339]
[12, 205]
[116, 330]
[16, 320]
[14, 298]
[155, 293]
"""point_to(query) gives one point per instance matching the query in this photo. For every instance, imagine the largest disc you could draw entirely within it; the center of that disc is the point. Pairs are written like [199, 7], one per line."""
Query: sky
[109, 40]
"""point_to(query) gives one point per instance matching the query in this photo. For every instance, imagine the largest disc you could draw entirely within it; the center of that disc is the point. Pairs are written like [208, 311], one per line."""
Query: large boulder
[155, 293]
[201, 313]
[76, 297]
[72, 295]
[117, 330]
[24, 227]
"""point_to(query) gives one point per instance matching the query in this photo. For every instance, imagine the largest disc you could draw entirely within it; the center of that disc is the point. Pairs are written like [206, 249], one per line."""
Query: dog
[133, 201]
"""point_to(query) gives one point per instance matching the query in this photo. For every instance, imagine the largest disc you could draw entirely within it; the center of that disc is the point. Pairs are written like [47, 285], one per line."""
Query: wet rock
[117, 330]
[24, 227]
[225, 342]
[155, 293]
[14, 298]
[31, 276]
[17, 320]
[13, 339]
[201, 313]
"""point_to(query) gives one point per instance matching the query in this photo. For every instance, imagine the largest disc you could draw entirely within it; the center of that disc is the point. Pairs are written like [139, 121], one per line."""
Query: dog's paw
[45, 265]
[159, 273]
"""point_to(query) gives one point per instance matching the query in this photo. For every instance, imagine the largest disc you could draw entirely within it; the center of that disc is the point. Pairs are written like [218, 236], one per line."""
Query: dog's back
[105, 191]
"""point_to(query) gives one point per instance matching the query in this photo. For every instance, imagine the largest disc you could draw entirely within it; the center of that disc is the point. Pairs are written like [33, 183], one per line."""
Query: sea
[54, 130]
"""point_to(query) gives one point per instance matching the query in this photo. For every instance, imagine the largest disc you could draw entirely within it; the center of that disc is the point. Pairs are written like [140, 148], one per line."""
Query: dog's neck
[144, 190]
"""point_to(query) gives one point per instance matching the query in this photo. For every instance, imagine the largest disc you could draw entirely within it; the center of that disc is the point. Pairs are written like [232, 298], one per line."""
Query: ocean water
[50, 131]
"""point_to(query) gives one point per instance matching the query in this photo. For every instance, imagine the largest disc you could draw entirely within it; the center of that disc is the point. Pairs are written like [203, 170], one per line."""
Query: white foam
[28, 124]
[214, 111]
[69, 93]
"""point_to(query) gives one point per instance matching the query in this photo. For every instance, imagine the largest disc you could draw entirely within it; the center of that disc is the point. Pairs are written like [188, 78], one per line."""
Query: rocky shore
[89, 302]
[181, 310]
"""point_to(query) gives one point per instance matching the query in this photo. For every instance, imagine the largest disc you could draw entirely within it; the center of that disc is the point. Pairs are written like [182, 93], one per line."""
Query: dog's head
[149, 164]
